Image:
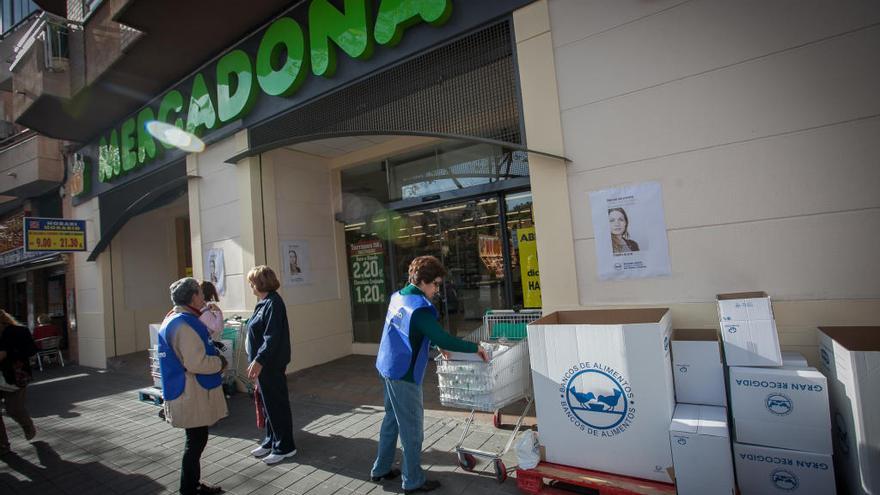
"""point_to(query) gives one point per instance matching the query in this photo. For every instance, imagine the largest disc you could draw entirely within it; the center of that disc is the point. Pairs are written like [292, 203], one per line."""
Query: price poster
[367, 271]
[54, 234]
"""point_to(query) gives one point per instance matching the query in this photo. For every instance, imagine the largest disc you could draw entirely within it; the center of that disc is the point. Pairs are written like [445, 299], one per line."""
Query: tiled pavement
[95, 437]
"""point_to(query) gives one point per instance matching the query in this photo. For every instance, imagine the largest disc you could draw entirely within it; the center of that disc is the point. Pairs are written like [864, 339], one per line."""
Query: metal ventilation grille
[465, 88]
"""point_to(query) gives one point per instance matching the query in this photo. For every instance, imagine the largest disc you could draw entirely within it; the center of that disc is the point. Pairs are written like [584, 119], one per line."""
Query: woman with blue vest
[268, 349]
[411, 327]
[191, 371]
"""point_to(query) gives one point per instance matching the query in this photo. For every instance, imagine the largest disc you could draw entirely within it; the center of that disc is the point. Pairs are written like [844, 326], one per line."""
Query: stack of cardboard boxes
[779, 409]
[699, 435]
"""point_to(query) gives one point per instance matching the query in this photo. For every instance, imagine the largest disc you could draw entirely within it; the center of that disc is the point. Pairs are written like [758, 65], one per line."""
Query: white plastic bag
[528, 453]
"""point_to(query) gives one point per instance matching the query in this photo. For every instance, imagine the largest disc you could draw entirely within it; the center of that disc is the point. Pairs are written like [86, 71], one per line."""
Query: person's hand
[445, 355]
[213, 306]
[223, 362]
[254, 370]
[483, 354]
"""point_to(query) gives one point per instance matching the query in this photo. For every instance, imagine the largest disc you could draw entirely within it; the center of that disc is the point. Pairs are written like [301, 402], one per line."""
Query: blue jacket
[395, 351]
[172, 370]
[268, 340]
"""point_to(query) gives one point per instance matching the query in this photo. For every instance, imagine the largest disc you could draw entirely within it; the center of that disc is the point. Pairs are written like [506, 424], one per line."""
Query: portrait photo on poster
[215, 269]
[295, 261]
[630, 232]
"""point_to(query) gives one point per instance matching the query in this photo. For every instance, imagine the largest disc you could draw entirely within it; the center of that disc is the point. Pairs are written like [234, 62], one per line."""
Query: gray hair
[183, 291]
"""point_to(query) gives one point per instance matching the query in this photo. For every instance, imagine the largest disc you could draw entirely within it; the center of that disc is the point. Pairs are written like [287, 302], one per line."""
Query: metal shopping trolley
[234, 334]
[467, 382]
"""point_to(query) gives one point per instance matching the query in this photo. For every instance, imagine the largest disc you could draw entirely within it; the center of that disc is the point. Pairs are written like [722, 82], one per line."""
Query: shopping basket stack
[467, 382]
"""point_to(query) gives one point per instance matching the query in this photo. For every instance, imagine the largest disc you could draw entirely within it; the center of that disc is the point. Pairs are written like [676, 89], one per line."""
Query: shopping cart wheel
[467, 461]
[496, 419]
[500, 471]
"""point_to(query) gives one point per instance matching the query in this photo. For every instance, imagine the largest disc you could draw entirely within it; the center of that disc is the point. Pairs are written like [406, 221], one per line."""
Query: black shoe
[390, 475]
[429, 486]
[204, 489]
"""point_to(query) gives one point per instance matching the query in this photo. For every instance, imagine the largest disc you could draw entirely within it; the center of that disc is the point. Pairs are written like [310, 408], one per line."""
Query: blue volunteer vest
[172, 370]
[395, 353]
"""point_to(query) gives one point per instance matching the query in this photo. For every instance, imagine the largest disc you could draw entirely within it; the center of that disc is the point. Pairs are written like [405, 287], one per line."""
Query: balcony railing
[52, 33]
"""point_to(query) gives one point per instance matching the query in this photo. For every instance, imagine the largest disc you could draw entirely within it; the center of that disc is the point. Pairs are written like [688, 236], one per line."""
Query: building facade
[344, 138]
[31, 179]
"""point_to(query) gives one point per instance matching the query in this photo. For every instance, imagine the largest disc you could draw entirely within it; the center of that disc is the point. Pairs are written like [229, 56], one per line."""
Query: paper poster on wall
[295, 258]
[528, 267]
[215, 270]
[630, 232]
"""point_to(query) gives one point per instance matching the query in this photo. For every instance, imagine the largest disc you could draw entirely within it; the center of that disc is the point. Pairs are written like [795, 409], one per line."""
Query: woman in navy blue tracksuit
[268, 348]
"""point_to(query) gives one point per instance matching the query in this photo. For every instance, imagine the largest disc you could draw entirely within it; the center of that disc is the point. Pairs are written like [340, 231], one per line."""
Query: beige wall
[144, 259]
[215, 218]
[94, 303]
[759, 119]
[300, 196]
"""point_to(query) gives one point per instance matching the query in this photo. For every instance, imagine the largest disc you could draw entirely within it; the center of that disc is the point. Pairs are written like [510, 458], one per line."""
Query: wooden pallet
[532, 481]
[151, 394]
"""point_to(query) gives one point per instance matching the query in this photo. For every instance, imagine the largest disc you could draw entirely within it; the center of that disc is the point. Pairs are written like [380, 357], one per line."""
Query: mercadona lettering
[285, 54]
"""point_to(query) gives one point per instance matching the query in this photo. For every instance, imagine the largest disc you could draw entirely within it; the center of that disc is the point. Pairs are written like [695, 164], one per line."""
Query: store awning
[17, 261]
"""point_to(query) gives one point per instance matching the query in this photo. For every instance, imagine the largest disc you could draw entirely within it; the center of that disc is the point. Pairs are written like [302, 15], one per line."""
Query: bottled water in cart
[466, 382]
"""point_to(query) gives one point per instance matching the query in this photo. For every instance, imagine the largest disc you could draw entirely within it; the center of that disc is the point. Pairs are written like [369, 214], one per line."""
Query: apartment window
[12, 12]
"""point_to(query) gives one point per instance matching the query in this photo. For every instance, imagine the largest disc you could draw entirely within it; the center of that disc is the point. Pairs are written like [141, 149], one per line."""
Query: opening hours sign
[54, 235]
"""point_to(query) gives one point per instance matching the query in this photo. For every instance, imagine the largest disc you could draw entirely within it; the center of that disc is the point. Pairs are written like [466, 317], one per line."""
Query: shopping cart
[489, 386]
[234, 333]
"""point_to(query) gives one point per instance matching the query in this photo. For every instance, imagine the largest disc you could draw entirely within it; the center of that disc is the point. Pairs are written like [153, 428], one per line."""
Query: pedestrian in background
[212, 315]
[268, 349]
[411, 327]
[16, 348]
[191, 377]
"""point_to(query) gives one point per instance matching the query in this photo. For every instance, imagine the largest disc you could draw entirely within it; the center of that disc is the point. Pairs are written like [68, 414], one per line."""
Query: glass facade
[475, 237]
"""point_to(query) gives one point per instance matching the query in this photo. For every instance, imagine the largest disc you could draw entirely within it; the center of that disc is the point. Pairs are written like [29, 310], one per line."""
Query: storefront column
[548, 176]
[94, 303]
[226, 212]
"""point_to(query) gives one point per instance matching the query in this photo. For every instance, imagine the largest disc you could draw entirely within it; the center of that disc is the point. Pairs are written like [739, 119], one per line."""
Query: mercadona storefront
[339, 147]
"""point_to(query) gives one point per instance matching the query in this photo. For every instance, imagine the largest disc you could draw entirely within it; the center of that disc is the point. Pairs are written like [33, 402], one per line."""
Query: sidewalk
[95, 437]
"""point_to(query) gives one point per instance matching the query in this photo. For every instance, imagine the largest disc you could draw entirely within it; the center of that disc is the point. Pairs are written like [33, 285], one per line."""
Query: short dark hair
[263, 278]
[209, 291]
[183, 290]
[425, 269]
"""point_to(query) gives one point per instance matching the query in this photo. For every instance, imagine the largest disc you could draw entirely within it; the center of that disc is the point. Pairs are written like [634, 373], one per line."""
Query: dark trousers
[14, 404]
[279, 423]
[190, 471]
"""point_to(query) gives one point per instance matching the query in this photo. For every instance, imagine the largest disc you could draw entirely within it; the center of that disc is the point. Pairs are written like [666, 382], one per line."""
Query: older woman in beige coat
[191, 379]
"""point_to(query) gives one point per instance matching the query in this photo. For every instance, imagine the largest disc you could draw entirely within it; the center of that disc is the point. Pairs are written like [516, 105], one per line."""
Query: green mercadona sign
[286, 54]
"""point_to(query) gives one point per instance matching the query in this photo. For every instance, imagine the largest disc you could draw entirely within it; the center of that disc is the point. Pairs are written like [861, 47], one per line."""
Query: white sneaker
[260, 451]
[276, 458]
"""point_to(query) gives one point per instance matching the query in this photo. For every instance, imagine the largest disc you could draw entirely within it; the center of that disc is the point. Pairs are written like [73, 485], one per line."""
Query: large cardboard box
[769, 471]
[701, 450]
[697, 367]
[850, 358]
[781, 407]
[751, 343]
[744, 306]
[604, 391]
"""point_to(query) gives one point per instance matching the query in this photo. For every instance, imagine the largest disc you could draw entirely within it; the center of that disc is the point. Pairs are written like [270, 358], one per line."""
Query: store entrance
[476, 239]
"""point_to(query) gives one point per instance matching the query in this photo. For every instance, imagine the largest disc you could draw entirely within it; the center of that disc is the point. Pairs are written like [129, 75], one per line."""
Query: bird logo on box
[597, 399]
[784, 480]
[779, 404]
